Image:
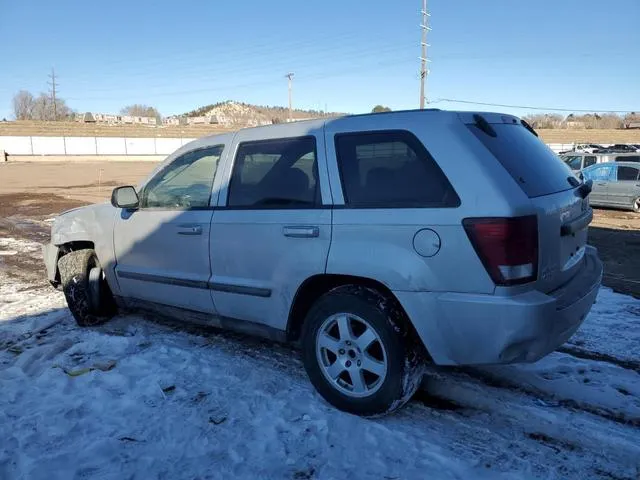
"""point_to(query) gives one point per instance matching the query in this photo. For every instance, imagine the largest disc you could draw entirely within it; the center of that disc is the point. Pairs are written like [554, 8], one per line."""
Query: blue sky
[348, 55]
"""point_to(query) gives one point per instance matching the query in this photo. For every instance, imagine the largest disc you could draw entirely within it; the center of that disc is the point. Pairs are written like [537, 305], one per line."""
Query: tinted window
[627, 173]
[184, 183]
[390, 169]
[275, 174]
[574, 162]
[588, 161]
[628, 158]
[601, 173]
[530, 162]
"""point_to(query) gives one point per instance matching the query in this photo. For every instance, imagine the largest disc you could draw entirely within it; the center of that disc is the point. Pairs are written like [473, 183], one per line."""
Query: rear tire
[359, 352]
[89, 304]
[636, 205]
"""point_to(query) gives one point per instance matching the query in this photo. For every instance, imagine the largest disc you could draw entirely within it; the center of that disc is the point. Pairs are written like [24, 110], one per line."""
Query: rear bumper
[470, 329]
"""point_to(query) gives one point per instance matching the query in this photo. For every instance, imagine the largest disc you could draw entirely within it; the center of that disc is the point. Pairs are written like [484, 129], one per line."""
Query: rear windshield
[530, 162]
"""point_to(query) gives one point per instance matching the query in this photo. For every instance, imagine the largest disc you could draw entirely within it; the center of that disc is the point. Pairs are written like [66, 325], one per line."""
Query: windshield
[528, 160]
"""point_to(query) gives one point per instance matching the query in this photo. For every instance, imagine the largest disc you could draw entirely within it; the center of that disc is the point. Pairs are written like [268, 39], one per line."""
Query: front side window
[390, 169]
[184, 183]
[281, 173]
[574, 162]
[601, 173]
[588, 161]
[627, 174]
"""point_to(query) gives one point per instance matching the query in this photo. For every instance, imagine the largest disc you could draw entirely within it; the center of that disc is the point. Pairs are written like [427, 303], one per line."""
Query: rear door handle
[301, 231]
[189, 229]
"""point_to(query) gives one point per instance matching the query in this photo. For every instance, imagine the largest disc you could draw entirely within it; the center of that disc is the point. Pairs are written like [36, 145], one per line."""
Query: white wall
[115, 145]
[14, 145]
[80, 145]
[110, 146]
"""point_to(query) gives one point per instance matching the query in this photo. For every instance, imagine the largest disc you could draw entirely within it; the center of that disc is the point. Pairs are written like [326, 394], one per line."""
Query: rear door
[162, 248]
[272, 229]
[623, 191]
[562, 214]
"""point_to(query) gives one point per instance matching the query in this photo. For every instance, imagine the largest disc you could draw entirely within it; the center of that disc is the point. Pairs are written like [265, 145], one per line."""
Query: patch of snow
[138, 399]
[612, 328]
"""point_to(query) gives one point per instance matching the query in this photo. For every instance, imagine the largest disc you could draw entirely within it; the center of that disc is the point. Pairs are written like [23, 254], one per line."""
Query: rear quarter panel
[378, 243]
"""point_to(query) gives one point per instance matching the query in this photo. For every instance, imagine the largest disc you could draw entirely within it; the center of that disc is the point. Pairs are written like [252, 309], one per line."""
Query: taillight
[508, 247]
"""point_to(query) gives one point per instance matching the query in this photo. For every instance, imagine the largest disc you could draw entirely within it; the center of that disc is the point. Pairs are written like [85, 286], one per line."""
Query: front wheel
[85, 288]
[636, 205]
[358, 353]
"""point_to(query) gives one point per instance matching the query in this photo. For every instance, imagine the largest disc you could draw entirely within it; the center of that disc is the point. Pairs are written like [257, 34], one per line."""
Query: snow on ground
[140, 399]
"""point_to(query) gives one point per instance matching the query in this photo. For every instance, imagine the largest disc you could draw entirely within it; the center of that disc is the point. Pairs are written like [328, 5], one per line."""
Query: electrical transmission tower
[53, 85]
[424, 71]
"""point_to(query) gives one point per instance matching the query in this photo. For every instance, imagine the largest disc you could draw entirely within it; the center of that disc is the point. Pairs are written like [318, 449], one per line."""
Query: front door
[622, 192]
[271, 232]
[601, 176]
[162, 248]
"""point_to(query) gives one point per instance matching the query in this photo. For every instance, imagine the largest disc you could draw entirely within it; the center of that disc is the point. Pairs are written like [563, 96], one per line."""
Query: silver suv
[379, 243]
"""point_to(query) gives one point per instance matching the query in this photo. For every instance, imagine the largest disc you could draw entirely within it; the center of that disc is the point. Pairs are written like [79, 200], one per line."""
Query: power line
[424, 26]
[528, 107]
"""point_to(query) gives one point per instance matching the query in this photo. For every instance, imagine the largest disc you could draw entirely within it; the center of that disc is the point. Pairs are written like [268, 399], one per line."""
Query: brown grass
[75, 129]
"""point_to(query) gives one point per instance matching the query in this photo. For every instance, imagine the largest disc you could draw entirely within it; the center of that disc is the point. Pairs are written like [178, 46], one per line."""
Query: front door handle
[190, 229]
[301, 231]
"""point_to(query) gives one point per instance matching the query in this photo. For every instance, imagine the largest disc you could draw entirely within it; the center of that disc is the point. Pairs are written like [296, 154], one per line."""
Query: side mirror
[125, 197]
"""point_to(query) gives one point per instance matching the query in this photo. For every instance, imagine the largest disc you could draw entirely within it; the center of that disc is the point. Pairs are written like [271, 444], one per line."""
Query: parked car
[584, 148]
[578, 161]
[377, 242]
[618, 148]
[615, 185]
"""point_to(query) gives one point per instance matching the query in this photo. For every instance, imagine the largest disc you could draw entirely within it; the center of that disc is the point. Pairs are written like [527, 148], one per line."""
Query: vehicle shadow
[619, 250]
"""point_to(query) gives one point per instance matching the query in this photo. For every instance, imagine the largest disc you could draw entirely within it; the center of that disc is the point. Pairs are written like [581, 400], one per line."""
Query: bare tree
[23, 104]
[28, 107]
[139, 110]
[44, 110]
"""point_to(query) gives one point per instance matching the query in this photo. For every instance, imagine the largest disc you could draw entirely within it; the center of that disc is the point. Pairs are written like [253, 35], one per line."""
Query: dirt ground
[32, 193]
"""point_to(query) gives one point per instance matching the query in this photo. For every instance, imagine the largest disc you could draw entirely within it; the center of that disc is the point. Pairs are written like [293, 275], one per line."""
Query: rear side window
[279, 173]
[530, 162]
[387, 169]
[627, 173]
[628, 158]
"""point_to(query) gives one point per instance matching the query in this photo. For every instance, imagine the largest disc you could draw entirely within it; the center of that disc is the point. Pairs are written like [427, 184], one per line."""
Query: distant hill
[245, 114]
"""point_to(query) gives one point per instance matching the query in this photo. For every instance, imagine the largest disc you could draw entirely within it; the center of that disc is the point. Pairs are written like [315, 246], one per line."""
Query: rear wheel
[85, 288]
[358, 353]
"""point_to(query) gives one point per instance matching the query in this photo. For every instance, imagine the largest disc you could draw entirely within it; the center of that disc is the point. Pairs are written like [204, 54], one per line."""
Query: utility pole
[53, 84]
[424, 26]
[290, 77]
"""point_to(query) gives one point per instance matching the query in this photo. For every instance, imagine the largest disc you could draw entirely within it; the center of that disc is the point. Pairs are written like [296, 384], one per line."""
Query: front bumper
[470, 329]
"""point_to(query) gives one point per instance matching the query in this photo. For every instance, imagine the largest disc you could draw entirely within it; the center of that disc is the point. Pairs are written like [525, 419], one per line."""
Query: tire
[87, 308]
[636, 205]
[358, 310]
